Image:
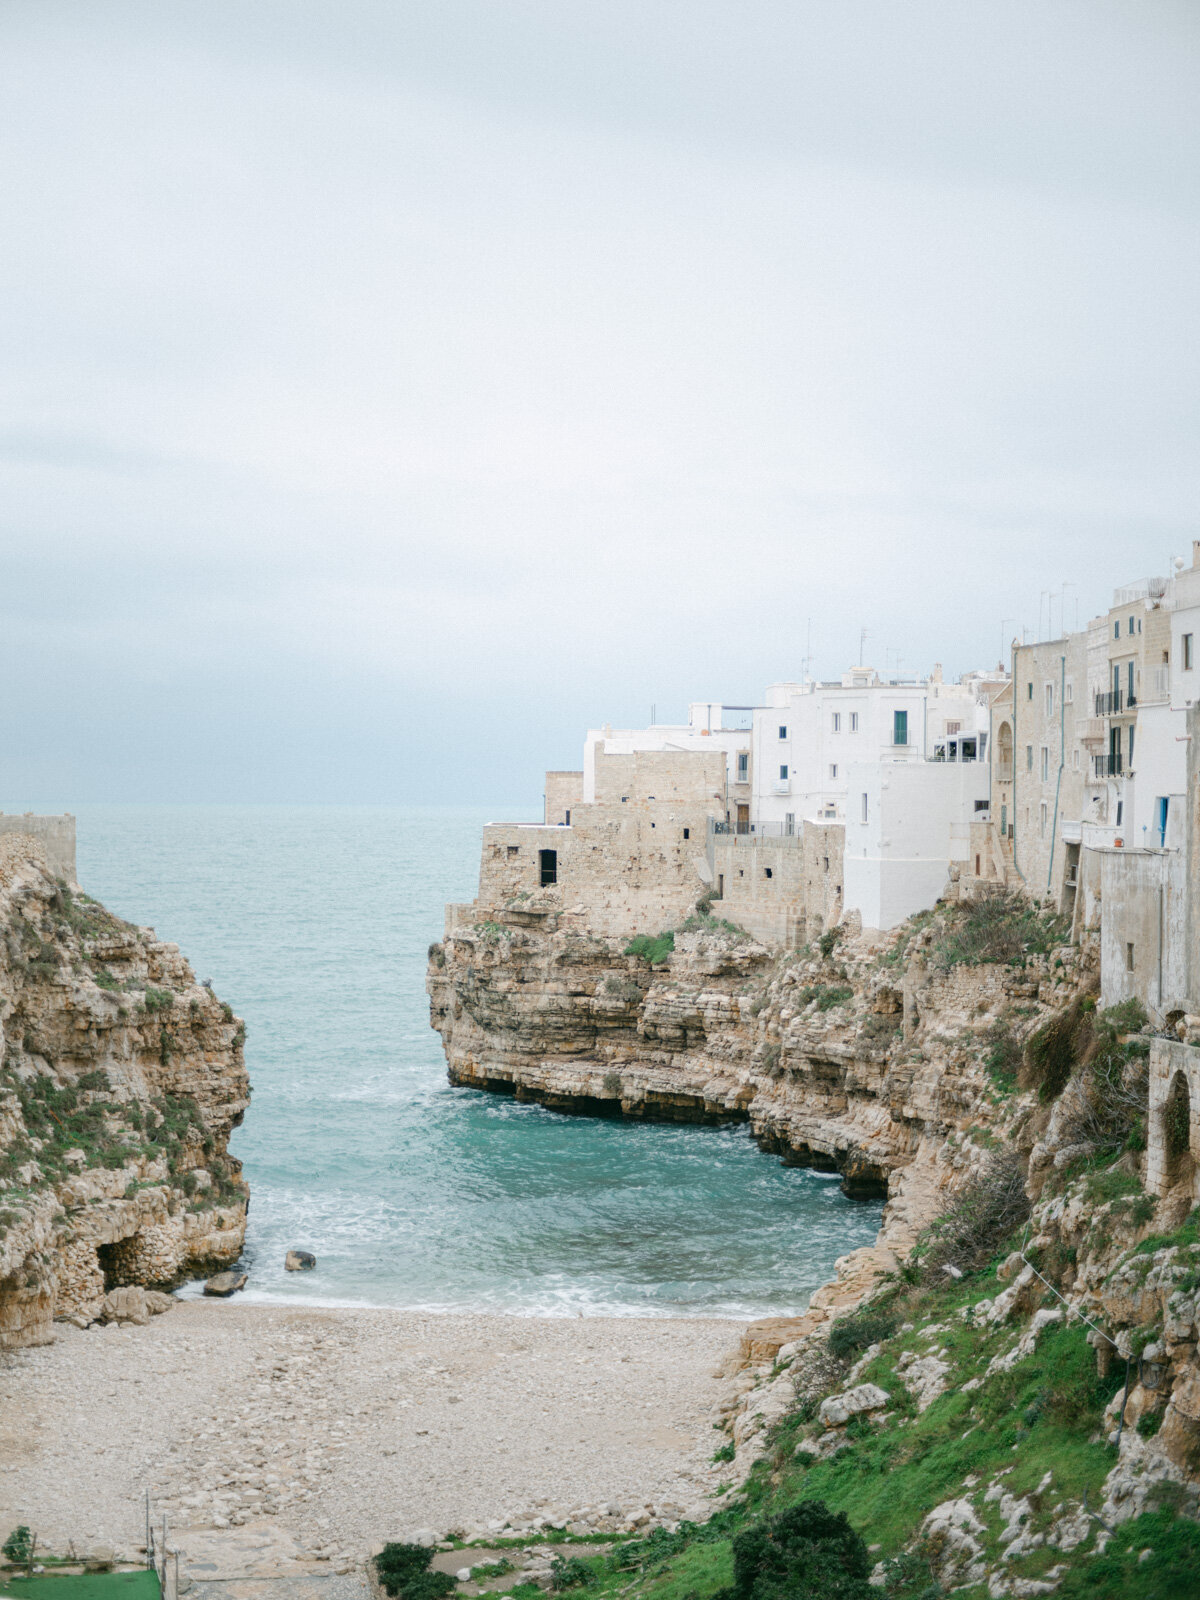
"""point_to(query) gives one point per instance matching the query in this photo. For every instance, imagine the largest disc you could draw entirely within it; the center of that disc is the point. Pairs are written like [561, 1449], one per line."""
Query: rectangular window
[1132, 731]
[1131, 624]
[1029, 691]
[1045, 764]
[1075, 759]
[687, 833]
[513, 849]
[1049, 699]
[833, 770]
[854, 722]
[899, 727]
[864, 808]
[1120, 809]
[1129, 958]
[1028, 758]
[1042, 819]
[1117, 628]
[837, 722]
[1187, 651]
[1069, 694]
[548, 860]
[783, 771]
[789, 823]
[743, 766]
[1132, 698]
[952, 727]
[782, 732]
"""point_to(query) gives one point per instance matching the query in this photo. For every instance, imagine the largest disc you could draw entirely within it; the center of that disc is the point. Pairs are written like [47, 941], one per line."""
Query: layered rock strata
[865, 1057]
[122, 1079]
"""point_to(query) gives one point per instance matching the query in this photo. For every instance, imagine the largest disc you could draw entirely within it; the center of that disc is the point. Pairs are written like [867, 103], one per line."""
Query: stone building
[55, 834]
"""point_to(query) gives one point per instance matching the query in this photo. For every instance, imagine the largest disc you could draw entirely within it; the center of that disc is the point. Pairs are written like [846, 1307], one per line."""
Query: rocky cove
[999, 1393]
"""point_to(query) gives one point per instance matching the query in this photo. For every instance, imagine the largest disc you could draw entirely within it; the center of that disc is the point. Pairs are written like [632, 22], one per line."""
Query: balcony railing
[1108, 766]
[1109, 702]
[755, 830]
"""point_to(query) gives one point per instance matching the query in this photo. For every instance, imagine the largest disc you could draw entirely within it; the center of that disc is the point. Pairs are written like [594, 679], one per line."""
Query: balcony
[1108, 766]
[1110, 703]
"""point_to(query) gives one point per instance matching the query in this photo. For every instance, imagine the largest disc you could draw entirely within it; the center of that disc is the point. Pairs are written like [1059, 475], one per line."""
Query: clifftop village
[867, 799]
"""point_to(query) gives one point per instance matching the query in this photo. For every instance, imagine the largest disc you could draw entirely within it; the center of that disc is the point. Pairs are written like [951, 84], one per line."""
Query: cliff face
[122, 1079]
[864, 1055]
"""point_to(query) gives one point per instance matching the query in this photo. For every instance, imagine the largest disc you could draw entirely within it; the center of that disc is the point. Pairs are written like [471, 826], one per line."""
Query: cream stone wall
[564, 793]
[56, 835]
[634, 861]
[784, 890]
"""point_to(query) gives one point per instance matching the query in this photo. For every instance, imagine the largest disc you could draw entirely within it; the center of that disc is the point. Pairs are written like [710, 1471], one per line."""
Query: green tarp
[140, 1585]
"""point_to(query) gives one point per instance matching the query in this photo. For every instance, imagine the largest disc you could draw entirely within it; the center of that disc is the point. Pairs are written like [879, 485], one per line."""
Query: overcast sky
[388, 391]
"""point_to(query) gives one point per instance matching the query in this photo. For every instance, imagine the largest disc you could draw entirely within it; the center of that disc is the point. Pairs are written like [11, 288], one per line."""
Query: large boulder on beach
[299, 1261]
[126, 1305]
[226, 1283]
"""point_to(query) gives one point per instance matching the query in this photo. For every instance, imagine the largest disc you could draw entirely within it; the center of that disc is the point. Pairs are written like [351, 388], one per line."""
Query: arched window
[1004, 753]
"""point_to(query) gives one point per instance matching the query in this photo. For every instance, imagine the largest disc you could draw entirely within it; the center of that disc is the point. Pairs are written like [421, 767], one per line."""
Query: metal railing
[1108, 766]
[755, 830]
[1109, 702]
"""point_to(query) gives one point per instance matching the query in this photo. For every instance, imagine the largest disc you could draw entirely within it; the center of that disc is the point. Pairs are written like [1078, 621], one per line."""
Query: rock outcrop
[122, 1079]
[861, 1055]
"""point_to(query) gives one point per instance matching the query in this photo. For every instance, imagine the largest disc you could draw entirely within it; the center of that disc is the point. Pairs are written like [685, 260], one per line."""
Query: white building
[809, 735]
[905, 823]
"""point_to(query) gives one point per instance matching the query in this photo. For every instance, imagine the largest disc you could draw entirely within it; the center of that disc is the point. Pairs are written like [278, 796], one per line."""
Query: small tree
[807, 1550]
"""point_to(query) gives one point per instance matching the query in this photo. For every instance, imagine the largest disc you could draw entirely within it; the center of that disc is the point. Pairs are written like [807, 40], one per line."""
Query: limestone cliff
[122, 1079]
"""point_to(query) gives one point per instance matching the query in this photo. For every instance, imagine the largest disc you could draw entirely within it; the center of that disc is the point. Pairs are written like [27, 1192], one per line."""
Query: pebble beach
[303, 1435]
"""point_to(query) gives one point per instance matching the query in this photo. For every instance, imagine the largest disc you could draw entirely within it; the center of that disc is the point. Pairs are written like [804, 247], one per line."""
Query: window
[854, 722]
[782, 731]
[1069, 692]
[567, 819]
[789, 823]
[548, 860]
[864, 808]
[833, 770]
[899, 727]
[1042, 819]
[1129, 958]
[1045, 764]
[1120, 810]
[783, 772]
[952, 727]
[743, 766]
[1075, 760]
[1132, 698]
[825, 859]
[513, 850]
[768, 872]
[1029, 691]
[1028, 758]
[1117, 628]
[1187, 651]
[687, 833]
[837, 722]
[1049, 699]
[1131, 624]
[1132, 731]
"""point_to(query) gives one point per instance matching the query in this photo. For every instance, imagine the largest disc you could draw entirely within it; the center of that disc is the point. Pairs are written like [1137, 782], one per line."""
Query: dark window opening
[687, 833]
[513, 849]
[768, 873]
[548, 860]
[568, 821]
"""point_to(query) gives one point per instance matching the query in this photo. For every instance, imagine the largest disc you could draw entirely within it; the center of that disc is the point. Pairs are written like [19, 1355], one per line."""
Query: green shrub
[827, 995]
[828, 939]
[981, 1217]
[1149, 1423]
[806, 1551]
[158, 1000]
[1000, 927]
[725, 1453]
[849, 1335]
[18, 1547]
[1002, 1055]
[1053, 1052]
[403, 1572]
[651, 950]
[569, 1572]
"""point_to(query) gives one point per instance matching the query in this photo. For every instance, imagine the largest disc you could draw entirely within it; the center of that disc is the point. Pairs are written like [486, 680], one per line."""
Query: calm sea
[313, 922]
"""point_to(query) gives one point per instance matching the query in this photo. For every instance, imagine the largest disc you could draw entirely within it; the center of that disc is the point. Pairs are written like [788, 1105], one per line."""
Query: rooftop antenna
[808, 650]
[653, 713]
[862, 640]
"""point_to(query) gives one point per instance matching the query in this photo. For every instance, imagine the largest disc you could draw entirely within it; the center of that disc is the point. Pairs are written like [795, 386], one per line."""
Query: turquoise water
[313, 922]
